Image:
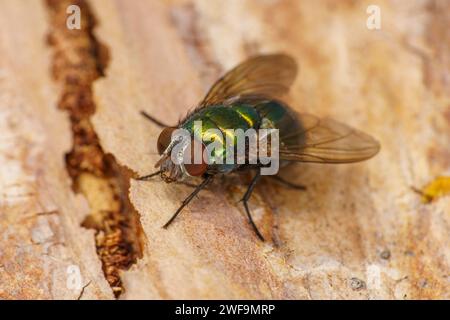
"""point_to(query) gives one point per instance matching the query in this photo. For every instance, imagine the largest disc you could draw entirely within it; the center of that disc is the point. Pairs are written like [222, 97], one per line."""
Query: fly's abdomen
[276, 115]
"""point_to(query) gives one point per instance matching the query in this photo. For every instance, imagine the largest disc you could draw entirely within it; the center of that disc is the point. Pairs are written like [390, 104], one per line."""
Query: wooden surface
[40, 216]
[359, 231]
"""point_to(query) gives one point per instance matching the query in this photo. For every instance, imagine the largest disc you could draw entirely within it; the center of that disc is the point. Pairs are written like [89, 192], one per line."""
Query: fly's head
[177, 149]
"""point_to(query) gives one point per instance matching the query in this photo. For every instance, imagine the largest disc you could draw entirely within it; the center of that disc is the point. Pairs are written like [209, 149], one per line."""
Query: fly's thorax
[217, 132]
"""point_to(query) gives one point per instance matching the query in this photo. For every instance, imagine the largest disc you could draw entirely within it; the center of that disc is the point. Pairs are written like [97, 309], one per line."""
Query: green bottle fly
[247, 97]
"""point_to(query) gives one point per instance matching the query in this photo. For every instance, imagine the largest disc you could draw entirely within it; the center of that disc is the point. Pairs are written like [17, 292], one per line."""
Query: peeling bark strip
[78, 60]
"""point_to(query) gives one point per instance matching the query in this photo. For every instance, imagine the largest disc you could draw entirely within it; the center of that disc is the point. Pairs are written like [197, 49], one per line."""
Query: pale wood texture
[42, 242]
[164, 56]
[354, 221]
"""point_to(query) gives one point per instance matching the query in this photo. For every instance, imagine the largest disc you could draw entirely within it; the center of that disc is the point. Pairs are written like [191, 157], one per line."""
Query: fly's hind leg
[287, 183]
[155, 121]
[244, 200]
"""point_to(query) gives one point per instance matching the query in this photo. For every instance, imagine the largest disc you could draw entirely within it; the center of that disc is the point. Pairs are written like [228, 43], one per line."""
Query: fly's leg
[145, 178]
[244, 200]
[188, 199]
[287, 183]
[157, 122]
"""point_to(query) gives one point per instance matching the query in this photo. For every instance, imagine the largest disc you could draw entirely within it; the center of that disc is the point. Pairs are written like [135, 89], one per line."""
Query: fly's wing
[265, 75]
[326, 141]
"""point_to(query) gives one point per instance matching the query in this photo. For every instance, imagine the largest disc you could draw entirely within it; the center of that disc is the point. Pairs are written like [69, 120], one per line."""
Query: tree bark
[74, 223]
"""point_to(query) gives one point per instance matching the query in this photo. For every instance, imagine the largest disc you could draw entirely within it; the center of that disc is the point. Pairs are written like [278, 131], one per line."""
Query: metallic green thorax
[267, 114]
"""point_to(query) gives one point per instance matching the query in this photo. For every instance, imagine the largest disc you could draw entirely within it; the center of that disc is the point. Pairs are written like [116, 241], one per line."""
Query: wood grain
[43, 243]
[358, 232]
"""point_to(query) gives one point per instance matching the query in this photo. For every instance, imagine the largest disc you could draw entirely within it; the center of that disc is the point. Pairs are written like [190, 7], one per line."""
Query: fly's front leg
[147, 177]
[157, 122]
[247, 195]
[188, 199]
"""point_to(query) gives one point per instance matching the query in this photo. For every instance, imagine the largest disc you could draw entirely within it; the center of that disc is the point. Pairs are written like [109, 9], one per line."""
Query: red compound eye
[195, 169]
[164, 139]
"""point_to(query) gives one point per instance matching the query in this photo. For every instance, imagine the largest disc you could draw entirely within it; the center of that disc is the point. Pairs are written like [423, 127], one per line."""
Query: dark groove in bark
[78, 60]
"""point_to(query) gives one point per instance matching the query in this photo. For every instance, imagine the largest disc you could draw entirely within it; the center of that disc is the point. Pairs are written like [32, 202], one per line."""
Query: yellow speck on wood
[437, 188]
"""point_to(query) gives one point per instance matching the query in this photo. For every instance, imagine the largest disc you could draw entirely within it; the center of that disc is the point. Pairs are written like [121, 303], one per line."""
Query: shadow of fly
[242, 125]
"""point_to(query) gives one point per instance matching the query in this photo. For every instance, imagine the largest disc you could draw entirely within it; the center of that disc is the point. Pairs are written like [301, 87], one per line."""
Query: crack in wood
[78, 60]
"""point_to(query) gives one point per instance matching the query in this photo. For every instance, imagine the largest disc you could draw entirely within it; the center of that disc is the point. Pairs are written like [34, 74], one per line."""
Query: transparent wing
[326, 141]
[265, 75]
